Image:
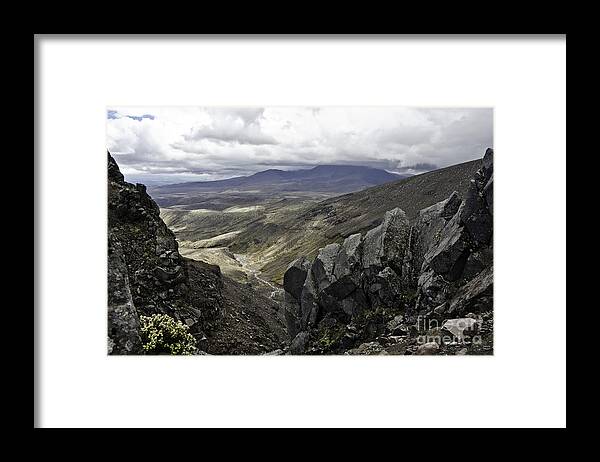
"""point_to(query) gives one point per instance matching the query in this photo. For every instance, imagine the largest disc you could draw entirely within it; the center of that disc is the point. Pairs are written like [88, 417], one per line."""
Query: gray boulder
[347, 263]
[384, 289]
[298, 345]
[433, 291]
[449, 256]
[386, 244]
[426, 234]
[322, 268]
[295, 275]
[476, 295]
[308, 303]
[477, 262]
[354, 304]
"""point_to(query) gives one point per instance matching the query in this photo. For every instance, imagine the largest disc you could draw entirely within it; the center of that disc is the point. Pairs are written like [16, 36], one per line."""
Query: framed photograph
[282, 226]
[300, 230]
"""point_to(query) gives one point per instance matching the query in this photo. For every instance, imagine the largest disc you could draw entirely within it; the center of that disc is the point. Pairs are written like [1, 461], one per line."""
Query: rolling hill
[322, 178]
[269, 234]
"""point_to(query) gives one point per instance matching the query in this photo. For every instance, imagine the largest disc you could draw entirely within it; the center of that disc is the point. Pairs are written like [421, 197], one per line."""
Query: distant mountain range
[322, 178]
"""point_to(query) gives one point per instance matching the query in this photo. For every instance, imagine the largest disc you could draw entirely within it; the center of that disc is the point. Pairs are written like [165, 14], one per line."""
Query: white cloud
[187, 143]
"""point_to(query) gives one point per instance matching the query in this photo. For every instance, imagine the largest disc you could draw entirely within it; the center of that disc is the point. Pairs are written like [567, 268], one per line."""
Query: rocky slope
[279, 240]
[147, 275]
[420, 286]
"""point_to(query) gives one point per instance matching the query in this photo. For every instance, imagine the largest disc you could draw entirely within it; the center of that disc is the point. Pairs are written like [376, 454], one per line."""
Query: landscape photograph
[299, 230]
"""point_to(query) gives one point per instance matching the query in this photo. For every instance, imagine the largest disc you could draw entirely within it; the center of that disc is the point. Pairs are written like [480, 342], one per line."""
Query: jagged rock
[433, 292]
[475, 215]
[477, 262]
[488, 194]
[384, 289]
[488, 159]
[347, 263]
[480, 226]
[444, 258]
[123, 320]
[340, 288]
[449, 256]
[386, 244]
[429, 348]
[322, 267]
[354, 304]
[425, 234]
[308, 302]
[144, 262]
[295, 275]
[373, 247]
[476, 295]
[445, 209]
[299, 343]
[450, 206]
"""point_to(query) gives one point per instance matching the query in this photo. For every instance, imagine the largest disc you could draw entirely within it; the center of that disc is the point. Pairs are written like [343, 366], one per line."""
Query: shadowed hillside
[334, 219]
[272, 234]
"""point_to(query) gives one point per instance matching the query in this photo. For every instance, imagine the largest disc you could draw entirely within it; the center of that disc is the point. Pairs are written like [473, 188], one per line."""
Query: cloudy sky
[156, 145]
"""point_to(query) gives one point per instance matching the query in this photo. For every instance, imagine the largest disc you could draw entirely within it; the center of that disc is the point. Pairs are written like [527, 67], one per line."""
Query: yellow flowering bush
[161, 334]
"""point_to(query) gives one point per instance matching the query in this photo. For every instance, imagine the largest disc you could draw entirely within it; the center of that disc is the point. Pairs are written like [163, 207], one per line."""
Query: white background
[522, 385]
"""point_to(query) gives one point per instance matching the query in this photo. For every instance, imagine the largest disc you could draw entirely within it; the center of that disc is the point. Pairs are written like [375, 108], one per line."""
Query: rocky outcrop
[146, 273]
[459, 251]
[369, 290]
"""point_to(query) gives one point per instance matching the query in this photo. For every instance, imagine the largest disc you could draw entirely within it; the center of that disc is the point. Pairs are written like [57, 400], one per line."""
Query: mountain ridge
[326, 177]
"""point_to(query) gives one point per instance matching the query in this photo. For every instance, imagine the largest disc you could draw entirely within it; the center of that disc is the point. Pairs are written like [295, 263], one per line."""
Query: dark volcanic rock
[308, 302]
[449, 256]
[298, 345]
[322, 268]
[295, 275]
[476, 295]
[457, 267]
[386, 244]
[291, 314]
[377, 286]
[425, 235]
[347, 263]
[384, 289]
[146, 273]
[123, 320]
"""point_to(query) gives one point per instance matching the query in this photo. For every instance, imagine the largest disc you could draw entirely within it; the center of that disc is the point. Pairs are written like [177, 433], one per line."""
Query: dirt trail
[276, 292]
